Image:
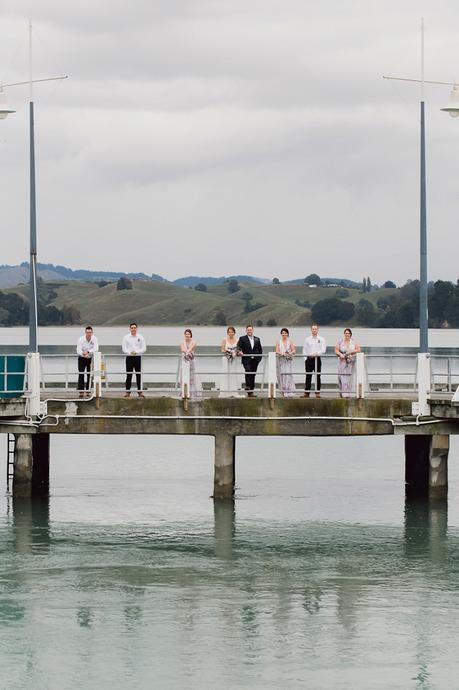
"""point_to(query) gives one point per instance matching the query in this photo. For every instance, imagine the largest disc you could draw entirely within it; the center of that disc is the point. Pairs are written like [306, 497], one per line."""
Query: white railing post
[360, 375]
[97, 374]
[422, 407]
[185, 379]
[33, 383]
[455, 397]
[272, 375]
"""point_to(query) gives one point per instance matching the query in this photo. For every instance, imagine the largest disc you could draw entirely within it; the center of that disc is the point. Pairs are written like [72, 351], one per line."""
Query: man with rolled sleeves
[86, 346]
[314, 346]
[133, 347]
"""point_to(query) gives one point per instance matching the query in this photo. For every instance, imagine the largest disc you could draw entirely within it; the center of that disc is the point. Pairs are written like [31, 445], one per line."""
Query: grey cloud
[196, 120]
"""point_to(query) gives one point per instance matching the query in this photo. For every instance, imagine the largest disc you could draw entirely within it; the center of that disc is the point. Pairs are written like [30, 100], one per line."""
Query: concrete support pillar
[438, 466]
[40, 467]
[426, 466]
[23, 466]
[31, 465]
[225, 446]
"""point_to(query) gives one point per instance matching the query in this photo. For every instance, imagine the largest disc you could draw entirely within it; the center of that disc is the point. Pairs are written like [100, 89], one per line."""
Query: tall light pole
[453, 110]
[4, 111]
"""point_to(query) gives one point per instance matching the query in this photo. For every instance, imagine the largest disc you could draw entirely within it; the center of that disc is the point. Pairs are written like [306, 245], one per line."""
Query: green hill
[156, 303]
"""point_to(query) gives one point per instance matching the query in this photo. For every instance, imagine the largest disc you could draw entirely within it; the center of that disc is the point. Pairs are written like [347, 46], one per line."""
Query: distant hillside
[14, 275]
[191, 281]
[343, 282]
[10, 276]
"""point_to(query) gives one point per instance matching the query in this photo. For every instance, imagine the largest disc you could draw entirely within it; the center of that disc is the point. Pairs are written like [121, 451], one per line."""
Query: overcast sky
[217, 137]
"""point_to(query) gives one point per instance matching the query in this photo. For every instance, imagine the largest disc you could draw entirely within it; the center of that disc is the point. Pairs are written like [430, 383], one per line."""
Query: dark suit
[250, 363]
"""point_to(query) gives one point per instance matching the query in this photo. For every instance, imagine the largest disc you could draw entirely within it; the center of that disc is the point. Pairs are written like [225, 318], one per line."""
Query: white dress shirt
[85, 345]
[134, 343]
[252, 341]
[314, 345]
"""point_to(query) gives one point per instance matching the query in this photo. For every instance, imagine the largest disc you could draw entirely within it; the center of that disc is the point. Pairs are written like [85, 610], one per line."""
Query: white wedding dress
[230, 379]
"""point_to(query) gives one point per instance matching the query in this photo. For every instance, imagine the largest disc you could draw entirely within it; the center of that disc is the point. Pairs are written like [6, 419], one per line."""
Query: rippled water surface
[317, 576]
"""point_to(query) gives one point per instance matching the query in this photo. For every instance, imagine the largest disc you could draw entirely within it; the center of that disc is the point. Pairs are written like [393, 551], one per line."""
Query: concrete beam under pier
[285, 417]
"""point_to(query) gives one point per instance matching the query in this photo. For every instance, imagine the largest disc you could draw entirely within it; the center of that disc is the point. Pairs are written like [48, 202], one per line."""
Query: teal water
[317, 576]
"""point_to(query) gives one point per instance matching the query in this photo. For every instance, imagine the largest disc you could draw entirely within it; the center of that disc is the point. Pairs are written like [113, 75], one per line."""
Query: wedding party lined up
[241, 357]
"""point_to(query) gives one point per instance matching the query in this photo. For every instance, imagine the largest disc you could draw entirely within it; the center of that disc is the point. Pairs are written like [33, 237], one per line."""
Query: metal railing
[166, 374]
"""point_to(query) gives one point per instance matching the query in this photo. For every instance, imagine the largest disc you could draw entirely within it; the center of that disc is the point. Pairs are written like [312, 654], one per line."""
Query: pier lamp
[453, 106]
[453, 110]
[4, 112]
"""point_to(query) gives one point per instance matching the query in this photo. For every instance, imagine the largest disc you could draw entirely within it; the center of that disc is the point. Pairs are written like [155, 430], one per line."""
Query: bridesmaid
[345, 350]
[187, 348]
[285, 351]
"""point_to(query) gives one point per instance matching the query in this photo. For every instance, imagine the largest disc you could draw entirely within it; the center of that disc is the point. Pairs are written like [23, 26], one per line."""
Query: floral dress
[195, 381]
[346, 368]
[285, 369]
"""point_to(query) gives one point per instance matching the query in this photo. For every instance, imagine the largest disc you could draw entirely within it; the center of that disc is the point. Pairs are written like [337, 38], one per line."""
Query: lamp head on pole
[453, 106]
[4, 110]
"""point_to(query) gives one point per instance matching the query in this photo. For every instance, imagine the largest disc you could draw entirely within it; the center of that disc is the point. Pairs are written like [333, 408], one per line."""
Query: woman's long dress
[285, 370]
[195, 381]
[346, 369]
[230, 379]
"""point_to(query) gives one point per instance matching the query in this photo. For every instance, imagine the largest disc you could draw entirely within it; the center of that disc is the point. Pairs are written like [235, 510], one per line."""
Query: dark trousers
[133, 363]
[250, 364]
[312, 364]
[84, 364]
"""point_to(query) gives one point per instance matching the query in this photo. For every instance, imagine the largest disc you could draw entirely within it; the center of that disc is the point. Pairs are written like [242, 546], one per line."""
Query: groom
[248, 346]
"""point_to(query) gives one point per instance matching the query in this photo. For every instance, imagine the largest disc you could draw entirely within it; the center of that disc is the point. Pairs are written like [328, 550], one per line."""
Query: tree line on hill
[14, 309]
[398, 310]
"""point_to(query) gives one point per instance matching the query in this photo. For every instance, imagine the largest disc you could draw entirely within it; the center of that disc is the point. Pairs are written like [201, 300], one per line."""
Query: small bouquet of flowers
[288, 355]
[188, 356]
[229, 354]
[349, 356]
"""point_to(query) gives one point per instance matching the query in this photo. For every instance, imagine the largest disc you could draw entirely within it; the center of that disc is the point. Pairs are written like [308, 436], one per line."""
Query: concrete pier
[224, 467]
[426, 442]
[426, 466]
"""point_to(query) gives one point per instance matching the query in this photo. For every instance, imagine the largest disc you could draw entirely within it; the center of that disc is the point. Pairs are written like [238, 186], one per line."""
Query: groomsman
[86, 346]
[314, 346]
[133, 346]
[247, 347]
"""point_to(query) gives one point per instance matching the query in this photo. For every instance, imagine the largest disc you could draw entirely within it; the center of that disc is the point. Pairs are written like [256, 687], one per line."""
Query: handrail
[161, 373]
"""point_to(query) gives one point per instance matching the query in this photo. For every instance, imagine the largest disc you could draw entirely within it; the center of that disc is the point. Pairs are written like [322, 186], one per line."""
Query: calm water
[318, 576]
[170, 335]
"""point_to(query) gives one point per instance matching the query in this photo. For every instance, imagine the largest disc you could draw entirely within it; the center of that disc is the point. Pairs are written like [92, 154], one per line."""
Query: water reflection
[31, 524]
[224, 527]
[231, 591]
[426, 529]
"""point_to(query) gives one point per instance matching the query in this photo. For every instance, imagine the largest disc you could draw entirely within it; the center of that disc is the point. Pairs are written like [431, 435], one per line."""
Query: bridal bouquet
[188, 356]
[229, 354]
[288, 355]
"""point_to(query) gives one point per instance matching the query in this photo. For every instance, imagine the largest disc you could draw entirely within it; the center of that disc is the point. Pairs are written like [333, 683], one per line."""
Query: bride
[229, 384]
